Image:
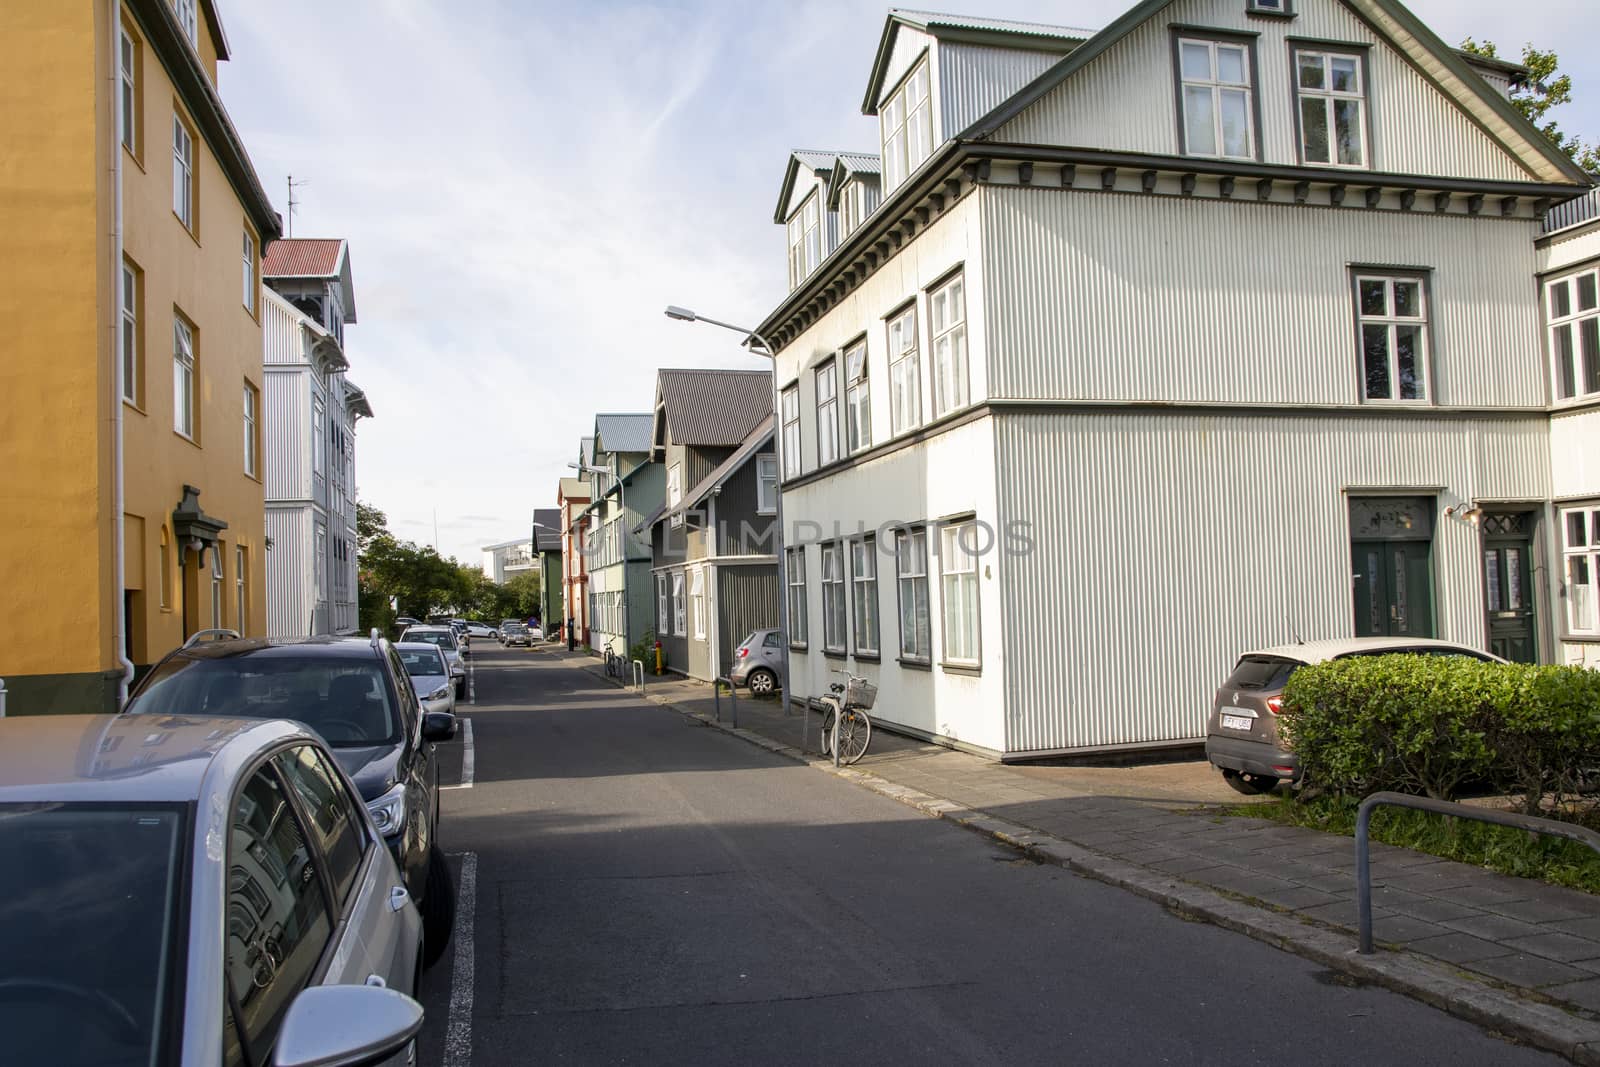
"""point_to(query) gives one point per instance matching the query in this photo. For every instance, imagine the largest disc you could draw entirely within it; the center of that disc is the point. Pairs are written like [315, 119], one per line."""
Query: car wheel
[438, 908]
[1250, 784]
[762, 682]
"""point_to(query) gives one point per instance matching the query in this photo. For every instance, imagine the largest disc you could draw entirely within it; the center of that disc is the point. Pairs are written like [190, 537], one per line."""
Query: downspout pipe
[119, 626]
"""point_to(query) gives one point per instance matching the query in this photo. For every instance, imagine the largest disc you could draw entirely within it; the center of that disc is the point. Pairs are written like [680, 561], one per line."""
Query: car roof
[427, 628]
[1321, 651]
[280, 648]
[67, 758]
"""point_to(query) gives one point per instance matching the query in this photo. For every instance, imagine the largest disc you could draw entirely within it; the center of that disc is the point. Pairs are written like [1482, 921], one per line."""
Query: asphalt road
[651, 891]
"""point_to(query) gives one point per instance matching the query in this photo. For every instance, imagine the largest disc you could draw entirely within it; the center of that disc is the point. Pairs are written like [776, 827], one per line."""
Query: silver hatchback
[758, 662]
[178, 889]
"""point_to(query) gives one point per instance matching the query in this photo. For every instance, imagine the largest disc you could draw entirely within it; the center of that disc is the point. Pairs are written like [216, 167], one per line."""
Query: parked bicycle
[846, 723]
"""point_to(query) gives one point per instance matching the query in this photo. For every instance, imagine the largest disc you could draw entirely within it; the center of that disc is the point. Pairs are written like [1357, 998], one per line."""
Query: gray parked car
[758, 662]
[445, 638]
[430, 675]
[175, 888]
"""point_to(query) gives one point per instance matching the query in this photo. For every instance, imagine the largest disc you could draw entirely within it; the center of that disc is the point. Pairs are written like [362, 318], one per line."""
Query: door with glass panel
[1508, 586]
[1392, 566]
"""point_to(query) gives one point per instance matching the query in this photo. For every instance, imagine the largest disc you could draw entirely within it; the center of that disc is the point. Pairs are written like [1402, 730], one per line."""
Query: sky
[526, 185]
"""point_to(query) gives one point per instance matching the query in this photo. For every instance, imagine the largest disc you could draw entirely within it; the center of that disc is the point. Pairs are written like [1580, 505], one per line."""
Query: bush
[1430, 724]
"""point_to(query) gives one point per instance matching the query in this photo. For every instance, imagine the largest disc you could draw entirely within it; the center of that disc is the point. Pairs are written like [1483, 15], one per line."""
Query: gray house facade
[625, 486]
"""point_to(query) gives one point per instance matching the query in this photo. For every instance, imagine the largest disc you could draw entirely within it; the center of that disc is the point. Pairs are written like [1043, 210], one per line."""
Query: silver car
[430, 675]
[758, 662]
[177, 887]
[445, 638]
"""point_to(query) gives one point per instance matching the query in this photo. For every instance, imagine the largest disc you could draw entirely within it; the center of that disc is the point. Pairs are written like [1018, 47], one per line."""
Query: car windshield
[442, 638]
[517, 628]
[422, 663]
[344, 700]
[89, 899]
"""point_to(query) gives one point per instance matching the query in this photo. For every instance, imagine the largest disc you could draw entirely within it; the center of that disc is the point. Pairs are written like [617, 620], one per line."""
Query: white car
[445, 639]
[430, 675]
[480, 629]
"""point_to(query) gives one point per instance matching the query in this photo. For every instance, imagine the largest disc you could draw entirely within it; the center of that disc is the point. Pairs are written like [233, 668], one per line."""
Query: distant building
[547, 553]
[626, 488]
[572, 499]
[507, 560]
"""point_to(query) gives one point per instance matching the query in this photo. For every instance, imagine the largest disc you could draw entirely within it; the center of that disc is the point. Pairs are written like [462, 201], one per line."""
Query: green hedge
[1430, 724]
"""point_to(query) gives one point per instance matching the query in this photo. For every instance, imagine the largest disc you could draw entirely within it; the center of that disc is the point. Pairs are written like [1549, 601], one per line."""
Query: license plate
[1237, 722]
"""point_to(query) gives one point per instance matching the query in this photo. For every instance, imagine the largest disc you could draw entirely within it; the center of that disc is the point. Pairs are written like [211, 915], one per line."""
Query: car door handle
[398, 897]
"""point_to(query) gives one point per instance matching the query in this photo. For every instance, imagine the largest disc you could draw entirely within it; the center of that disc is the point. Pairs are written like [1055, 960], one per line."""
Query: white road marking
[468, 757]
[458, 1035]
[472, 682]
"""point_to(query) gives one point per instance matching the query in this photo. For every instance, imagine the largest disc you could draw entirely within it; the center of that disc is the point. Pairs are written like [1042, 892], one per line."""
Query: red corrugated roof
[302, 257]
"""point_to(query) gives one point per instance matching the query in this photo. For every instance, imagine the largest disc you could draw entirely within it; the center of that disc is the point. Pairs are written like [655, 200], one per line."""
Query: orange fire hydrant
[658, 657]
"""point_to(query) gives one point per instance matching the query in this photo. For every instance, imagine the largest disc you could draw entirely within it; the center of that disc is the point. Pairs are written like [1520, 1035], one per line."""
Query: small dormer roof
[321, 258]
[818, 164]
[852, 165]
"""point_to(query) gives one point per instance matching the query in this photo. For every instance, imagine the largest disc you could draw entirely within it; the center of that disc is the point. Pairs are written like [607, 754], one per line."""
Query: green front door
[1508, 588]
[1393, 588]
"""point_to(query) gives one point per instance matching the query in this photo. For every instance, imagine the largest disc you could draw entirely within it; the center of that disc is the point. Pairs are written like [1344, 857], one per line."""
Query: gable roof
[1441, 64]
[574, 489]
[758, 437]
[975, 29]
[586, 451]
[325, 258]
[852, 165]
[710, 408]
[547, 529]
[819, 163]
[622, 433]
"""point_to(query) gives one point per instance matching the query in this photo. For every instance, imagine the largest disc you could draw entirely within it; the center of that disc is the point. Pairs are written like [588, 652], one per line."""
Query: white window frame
[217, 576]
[320, 564]
[182, 172]
[790, 404]
[864, 604]
[857, 399]
[189, 19]
[905, 372]
[1580, 554]
[1328, 98]
[852, 204]
[663, 621]
[911, 580]
[129, 337]
[128, 87]
[252, 404]
[798, 625]
[835, 606]
[183, 377]
[1572, 309]
[805, 238]
[675, 492]
[241, 599]
[677, 604]
[697, 601]
[318, 422]
[766, 484]
[905, 121]
[248, 257]
[1213, 87]
[959, 593]
[827, 393]
[1388, 323]
[947, 322]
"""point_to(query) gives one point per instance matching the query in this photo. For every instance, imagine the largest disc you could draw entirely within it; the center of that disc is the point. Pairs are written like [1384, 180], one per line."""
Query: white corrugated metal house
[628, 487]
[508, 559]
[1164, 341]
[311, 410]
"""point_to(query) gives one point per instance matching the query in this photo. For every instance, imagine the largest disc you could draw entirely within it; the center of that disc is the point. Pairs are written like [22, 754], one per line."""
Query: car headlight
[439, 693]
[389, 810]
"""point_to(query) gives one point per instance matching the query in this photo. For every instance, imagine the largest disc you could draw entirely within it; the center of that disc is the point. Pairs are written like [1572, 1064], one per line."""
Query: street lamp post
[622, 502]
[685, 315]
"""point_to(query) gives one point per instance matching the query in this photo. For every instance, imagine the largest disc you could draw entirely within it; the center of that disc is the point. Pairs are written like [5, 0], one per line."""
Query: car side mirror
[438, 726]
[346, 1026]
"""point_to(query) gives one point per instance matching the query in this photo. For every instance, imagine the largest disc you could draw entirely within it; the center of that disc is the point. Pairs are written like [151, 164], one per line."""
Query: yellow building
[131, 223]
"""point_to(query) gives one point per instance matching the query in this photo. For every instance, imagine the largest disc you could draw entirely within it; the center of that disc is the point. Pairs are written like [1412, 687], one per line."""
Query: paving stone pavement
[1535, 938]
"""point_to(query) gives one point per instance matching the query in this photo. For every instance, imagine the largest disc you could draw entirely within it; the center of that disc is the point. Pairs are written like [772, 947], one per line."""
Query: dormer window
[805, 240]
[1269, 7]
[189, 19]
[1332, 98]
[1218, 105]
[851, 203]
[906, 119]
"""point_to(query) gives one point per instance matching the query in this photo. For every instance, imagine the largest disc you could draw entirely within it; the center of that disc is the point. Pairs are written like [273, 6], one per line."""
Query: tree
[370, 523]
[1544, 89]
[421, 581]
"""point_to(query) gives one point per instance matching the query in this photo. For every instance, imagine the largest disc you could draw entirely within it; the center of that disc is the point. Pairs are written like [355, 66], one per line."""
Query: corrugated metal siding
[740, 530]
[1575, 453]
[908, 46]
[1585, 208]
[1166, 544]
[290, 571]
[1239, 302]
[1124, 98]
[714, 408]
[282, 336]
[288, 434]
[974, 80]
[746, 599]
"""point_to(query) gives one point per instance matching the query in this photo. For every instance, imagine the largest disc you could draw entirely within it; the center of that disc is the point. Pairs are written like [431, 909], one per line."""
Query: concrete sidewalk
[1513, 954]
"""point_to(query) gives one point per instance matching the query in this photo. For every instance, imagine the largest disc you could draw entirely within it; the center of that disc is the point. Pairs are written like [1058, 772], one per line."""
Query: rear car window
[1262, 672]
[1426, 650]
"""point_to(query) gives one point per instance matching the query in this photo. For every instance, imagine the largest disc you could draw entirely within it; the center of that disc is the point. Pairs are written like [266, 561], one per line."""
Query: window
[319, 565]
[905, 373]
[911, 573]
[798, 633]
[1574, 307]
[183, 399]
[1332, 101]
[216, 585]
[677, 604]
[130, 332]
[1216, 92]
[958, 562]
[249, 265]
[1582, 558]
[805, 240]
[166, 571]
[251, 404]
[129, 95]
[697, 601]
[189, 20]
[766, 485]
[790, 403]
[1394, 337]
[330, 813]
[907, 123]
[852, 207]
[240, 590]
[858, 401]
[833, 610]
[182, 173]
[675, 491]
[827, 413]
[947, 319]
[663, 621]
[317, 417]
[864, 594]
[278, 920]
[1269, 7]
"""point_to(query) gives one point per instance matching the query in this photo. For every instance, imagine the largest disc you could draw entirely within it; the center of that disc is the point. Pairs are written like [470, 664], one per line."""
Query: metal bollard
[638, 674]
[2, 698]
[733, 696]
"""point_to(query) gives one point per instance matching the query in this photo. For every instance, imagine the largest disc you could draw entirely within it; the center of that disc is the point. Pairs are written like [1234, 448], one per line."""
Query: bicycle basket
[860, 694]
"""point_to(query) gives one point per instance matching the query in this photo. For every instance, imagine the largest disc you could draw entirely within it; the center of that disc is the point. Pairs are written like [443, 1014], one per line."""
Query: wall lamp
[1471, 514]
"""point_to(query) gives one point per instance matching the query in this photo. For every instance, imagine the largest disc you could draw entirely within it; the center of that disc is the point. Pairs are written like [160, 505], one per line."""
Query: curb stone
[1504, 1010]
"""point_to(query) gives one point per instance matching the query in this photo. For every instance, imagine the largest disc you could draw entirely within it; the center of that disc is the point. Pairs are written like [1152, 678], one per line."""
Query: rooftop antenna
[289, 216]
[436, 529]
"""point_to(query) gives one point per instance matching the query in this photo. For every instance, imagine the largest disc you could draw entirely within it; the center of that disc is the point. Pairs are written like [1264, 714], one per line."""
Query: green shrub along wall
[1431, 724]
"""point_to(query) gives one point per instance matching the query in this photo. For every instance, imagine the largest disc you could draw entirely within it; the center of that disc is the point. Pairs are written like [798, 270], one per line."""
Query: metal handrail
[733, 696]
[1532, 823]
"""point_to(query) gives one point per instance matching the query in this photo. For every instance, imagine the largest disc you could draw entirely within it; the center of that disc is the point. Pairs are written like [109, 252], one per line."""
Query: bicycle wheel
[829, 717]
[853, 735]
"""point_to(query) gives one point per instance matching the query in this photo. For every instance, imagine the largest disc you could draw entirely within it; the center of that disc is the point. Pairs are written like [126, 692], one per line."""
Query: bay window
[1574, 315]
[1581, 560]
